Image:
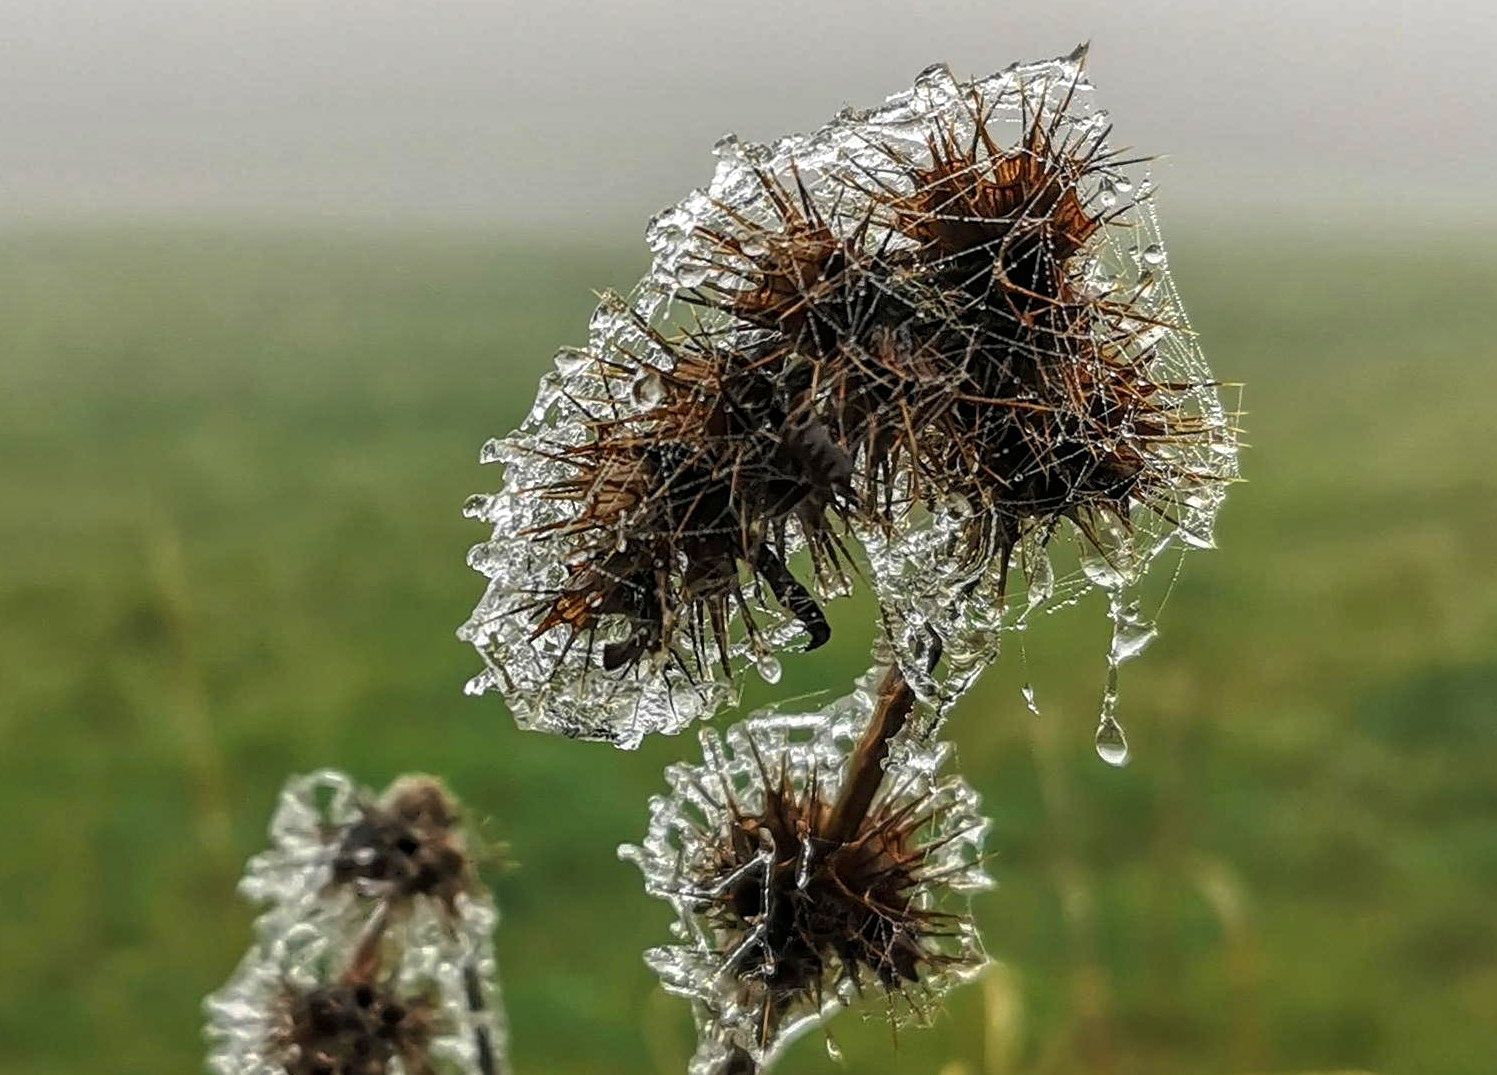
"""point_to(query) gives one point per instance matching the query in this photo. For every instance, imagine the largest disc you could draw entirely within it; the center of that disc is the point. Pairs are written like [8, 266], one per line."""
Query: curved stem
[865, 768]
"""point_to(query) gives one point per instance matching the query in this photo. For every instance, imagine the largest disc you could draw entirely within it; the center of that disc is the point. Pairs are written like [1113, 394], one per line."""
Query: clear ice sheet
[929, 603]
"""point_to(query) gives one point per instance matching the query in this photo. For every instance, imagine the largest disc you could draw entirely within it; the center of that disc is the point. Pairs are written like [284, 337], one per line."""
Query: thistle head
[294, 1007]
[338, 848]
[786, 920]
[374, 951]
[943, 328]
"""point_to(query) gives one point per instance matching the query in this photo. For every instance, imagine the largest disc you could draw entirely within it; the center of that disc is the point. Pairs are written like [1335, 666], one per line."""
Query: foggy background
[592, 116]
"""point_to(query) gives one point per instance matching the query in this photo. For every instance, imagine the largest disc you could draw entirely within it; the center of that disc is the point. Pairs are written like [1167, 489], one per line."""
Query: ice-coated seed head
[943, 329]
[782, 922]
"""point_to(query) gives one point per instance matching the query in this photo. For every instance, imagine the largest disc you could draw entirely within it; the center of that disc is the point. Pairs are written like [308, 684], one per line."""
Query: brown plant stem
[865, 768]
[363, 965]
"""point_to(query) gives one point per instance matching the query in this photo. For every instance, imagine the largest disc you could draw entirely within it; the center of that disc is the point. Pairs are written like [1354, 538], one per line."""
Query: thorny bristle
[953, 308]
[785, 923]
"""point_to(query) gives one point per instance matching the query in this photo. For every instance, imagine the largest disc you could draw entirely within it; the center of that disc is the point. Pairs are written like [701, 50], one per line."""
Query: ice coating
[334, 900]
[741, 970]
[252, 1022]
[942, 331]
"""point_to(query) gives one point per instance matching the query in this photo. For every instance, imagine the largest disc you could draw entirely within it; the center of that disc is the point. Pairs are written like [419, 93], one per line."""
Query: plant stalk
[865, 768]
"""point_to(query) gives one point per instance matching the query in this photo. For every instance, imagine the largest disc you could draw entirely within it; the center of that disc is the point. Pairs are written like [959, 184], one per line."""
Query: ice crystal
[365, 892]
[778, 924]
[944, 327]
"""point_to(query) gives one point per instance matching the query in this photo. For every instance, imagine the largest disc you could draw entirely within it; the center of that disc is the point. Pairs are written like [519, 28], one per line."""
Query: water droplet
[833, 1050]
[726, 146]
[1153, 254]
[1027, 691]
[768, 668]
[492, 451]
[648, 389]
[1112, 745]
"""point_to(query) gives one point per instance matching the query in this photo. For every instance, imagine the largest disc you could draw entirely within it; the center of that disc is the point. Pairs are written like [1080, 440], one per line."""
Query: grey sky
[530, 113]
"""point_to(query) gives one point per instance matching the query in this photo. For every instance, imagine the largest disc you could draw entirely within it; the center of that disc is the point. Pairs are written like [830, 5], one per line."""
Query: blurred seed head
[374, 952]
[293, 1008]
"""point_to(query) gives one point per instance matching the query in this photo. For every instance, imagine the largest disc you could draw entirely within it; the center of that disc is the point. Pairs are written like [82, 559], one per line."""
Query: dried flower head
[944, 326]
[373, 909]
[788, 908]
[337, 845]
[293, 1008]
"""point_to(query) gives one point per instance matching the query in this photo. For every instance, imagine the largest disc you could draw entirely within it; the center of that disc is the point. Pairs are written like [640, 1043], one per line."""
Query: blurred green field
[230, 549]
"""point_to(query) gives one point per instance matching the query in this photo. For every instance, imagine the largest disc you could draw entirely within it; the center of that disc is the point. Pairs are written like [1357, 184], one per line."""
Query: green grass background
[231, 464]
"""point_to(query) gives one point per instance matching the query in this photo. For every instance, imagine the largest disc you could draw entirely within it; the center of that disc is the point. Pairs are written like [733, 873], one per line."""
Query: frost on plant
[374, 952]
[290, 1009]
[942, 330]
[780, 919]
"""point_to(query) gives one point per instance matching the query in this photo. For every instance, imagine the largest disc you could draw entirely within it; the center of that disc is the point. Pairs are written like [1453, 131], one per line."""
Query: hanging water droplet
[768, 668]
[1107, 194]
[1153, 254]
[1112, 745]
[492, 451]
[648, 389]
[1027, 691]
[833, 1050]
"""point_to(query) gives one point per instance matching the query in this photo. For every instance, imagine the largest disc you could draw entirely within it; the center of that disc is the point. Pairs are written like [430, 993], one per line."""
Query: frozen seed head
[356, 1030]
[406, 845]
[375, 949]
[336, 845]
[784, 920]
[292, 1009]
[944, 327]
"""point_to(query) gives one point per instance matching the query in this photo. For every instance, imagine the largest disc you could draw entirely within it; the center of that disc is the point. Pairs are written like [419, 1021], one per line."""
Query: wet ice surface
[724, 969]
[944, 614]
[310, 928]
